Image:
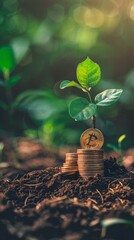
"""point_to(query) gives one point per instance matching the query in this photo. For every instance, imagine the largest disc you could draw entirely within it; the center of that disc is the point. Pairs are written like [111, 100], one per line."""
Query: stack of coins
[90, 162]
[70, 164]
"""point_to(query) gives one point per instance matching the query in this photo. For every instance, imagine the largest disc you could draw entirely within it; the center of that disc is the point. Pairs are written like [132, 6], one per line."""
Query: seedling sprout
[88, 76]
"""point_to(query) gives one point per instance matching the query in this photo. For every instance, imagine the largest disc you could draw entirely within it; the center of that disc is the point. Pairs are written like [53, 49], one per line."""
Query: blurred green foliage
[49, 39]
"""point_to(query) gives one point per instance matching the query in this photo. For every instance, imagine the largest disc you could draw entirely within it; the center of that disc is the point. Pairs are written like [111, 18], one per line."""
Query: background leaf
[7, 60]
[3, 105]
[80, 109]
[13, 80]
[2, 83]
[39, 104]
[88, 73]
[67, 83]
[29, 95]
[20, 48]
[108, 97]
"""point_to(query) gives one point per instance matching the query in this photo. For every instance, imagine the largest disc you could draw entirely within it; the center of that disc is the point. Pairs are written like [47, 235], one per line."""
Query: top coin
[92, 139]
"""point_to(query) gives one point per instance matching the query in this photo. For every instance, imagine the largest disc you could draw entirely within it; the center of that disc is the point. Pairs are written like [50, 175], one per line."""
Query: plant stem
[94, 121]
[94, 117]
[6, 75]
[89, 96]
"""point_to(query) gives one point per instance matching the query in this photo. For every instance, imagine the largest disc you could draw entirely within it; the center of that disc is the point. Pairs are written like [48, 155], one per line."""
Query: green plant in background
[7, 64]
[118, 148]
[88, 75]
[1, 149]
[29, 111]
[109, 223]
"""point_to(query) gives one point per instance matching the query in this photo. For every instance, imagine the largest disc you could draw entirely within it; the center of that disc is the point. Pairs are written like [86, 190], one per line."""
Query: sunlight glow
[131, 12]
[91, 17]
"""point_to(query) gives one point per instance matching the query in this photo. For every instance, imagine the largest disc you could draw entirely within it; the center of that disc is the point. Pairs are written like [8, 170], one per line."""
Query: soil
[47, 204]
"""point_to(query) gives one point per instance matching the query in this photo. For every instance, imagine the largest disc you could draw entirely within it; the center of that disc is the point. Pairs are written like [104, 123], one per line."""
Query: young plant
[7, 65]
[28, 111]
[110, 224]
[118, 148]
[88, 75]
[7, 81]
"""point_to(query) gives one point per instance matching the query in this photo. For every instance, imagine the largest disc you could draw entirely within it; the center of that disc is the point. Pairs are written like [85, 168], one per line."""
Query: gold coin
[92, 139]
[69, 170]
[86, 172]
[96, 170]
[90, 158]
[71, 154]
[69, 167]
[89, 165]
[70, 164]
[91, 170]
[71, 160]
[88, 151]
[90, 161]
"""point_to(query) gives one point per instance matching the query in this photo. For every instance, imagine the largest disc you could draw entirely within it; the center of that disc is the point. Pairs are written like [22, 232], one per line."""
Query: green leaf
[121, 138]
[88, 73]
[39, 109]
[113, 147]
[111, 221]
[13, 80]
[80, 109]
[7, 60]
[119, 161]
[2, 83]
[29, 96]
[40, 105]
[108, 97]
[67, 83]
[106, 223]
[3, 105]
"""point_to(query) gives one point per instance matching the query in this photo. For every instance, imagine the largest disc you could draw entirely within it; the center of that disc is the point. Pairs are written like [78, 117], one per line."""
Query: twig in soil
[95, 207]
[111, 190]
[25, 202]
[121, 201]
[32, 185]
[92, 200]
[116, 180]
[121, 183]
[100, 195]
[40, 205]
[64, 174]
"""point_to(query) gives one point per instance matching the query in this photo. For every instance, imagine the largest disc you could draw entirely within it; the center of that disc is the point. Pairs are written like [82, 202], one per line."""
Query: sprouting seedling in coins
[118, 149]
[88, 75]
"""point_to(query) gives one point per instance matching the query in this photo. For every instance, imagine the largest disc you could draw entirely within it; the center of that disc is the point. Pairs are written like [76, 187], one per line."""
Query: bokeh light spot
[131, 12]
[42, 34]
[16, 20]
[79, 14]
[56, 12]
[11, 5]
[93, 18]
[111, 8]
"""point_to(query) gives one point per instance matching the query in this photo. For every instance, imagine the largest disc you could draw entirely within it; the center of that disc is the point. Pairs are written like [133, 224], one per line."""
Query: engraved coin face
[92, 139]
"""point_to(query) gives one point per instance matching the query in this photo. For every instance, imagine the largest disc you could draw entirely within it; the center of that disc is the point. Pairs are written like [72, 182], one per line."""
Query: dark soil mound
[46, 204]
